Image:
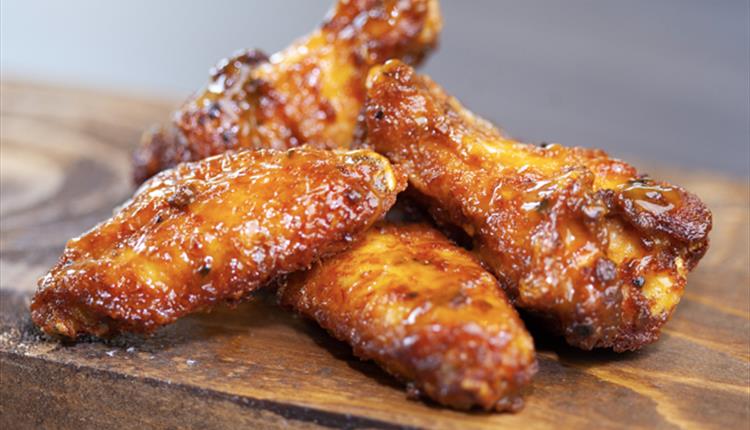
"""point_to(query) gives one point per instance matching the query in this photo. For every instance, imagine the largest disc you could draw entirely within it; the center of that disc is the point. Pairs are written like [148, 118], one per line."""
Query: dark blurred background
[662, 81]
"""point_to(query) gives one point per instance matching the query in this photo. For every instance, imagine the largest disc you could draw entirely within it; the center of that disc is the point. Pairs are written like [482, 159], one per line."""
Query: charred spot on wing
[228, 66]
[606, 270]
[412, 391]
[659, 207]
[182, 197]
[582, 330]
[253, 86]
[228, 136]
[459, 300]
[543, 206]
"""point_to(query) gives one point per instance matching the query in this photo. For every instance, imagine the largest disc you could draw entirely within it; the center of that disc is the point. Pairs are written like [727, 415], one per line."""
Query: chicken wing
[210, 232]
[426, 311]
[310, 93]
[576, 238]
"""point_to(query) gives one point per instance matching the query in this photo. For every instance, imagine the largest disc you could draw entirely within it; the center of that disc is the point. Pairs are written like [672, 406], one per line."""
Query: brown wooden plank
[65, 165]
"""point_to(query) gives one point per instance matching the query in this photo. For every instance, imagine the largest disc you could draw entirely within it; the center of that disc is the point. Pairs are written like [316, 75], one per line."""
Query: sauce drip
[653, 198]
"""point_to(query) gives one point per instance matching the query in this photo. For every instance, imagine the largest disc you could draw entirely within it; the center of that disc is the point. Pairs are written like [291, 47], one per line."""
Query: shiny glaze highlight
[210, 232]
[426, 311]
[310, 93]
[578, 239]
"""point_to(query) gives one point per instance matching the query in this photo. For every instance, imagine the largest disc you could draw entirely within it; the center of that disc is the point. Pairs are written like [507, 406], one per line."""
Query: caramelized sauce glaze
[576, 238]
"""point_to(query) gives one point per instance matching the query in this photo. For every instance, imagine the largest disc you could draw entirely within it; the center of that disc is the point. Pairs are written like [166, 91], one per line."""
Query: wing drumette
[209, 232]
[426, 311]
[576, 237]
[310, 93]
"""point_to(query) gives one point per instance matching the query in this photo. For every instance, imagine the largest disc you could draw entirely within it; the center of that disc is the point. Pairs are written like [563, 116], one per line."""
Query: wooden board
[65, 166]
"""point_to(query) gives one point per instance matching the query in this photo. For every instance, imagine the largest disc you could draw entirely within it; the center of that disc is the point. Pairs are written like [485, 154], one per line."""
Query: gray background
[664, 81]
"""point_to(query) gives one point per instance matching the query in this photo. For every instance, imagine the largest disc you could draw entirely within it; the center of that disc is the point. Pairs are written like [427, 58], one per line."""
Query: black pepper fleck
[214, 111]
[353, 196]
[205, 269]
[543, 205]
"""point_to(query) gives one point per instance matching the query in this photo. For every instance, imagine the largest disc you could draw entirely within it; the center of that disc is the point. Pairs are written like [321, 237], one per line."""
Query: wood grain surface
[65, 166]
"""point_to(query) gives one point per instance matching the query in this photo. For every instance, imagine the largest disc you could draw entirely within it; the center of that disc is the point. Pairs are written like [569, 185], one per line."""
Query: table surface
[65, 166]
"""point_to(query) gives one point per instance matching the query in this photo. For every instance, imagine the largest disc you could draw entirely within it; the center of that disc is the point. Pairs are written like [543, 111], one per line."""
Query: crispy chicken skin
[578, 239]
[210, 232]
[426, 311]
[310, 93]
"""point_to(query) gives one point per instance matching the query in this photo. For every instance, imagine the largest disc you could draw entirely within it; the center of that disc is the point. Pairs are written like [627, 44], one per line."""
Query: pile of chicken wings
[281, 174]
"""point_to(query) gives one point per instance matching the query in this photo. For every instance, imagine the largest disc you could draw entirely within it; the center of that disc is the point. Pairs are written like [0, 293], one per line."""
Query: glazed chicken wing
[426, 311]
[210, 232]
[576, 238]
[310, 93]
